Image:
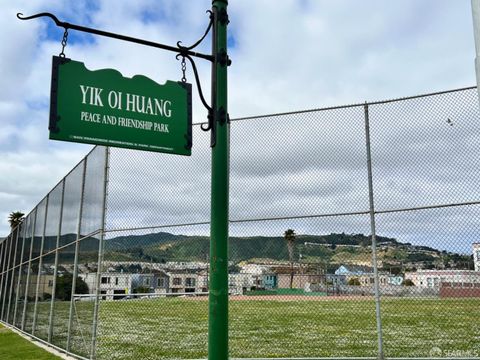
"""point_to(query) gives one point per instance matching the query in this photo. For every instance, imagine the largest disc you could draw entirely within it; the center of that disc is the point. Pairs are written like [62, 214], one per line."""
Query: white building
[433, 278]
[154, 282]
[238, 283]
[384, 279]
[119, 284]
[254, 269]
[187, 282]
[476, 256]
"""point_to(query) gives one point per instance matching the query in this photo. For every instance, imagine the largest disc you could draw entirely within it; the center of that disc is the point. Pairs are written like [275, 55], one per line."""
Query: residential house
[347, 272]
[366, 277]
[45, 287]
[434, 278]
[384, 279]
[353, 270]
[270, 281]
[113, 286]
[184, 281]
[156, 281]
[300, 281]
[336, 280]
[239, 283]
[257, 273]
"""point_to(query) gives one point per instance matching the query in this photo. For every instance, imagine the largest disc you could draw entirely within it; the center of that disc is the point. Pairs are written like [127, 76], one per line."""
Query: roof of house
[354, 269]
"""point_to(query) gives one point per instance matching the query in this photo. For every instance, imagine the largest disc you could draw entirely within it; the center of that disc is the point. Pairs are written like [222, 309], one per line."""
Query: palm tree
[290, 239]
[15, 218]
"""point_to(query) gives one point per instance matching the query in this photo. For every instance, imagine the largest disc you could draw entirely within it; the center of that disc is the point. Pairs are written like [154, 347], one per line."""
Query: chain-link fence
[46, 257]
[114, 262]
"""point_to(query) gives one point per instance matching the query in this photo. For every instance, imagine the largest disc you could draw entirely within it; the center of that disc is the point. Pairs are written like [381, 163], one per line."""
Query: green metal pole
[218, 297]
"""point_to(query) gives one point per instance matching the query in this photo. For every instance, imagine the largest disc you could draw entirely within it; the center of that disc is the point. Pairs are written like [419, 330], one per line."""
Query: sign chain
[64, 42]
[184, 68]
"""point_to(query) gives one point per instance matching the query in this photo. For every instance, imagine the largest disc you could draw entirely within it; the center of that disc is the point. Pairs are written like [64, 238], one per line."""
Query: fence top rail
[307, 216]
[366, 103]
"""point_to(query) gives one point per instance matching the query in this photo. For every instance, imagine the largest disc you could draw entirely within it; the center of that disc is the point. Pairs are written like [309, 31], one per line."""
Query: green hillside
[320, 249]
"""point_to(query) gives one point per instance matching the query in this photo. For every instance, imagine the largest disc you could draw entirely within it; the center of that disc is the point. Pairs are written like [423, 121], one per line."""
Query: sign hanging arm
[182, 51]
[67, 25]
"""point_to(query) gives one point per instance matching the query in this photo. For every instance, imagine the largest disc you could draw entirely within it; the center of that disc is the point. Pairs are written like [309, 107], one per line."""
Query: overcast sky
[287, 55]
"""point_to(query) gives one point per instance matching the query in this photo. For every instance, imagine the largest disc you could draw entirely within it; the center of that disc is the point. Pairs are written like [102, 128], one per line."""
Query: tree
[63, 289]
[290, 239]
[15, 218]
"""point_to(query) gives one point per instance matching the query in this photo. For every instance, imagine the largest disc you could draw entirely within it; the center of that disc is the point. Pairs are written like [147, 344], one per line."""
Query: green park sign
[104, 108]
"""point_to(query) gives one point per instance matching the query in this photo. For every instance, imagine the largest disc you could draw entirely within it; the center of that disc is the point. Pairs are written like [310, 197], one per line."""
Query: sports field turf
[177, 328]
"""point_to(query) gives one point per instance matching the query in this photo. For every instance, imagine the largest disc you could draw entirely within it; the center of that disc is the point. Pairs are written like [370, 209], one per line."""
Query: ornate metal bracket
[182, 51]
[185, 52]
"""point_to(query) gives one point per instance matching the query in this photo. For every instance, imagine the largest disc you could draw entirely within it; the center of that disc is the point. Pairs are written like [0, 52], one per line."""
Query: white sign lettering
[133, 102]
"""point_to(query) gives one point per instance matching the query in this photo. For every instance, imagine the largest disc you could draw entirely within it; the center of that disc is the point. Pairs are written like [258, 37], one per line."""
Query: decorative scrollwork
[53, 17]
[197, 79]
[181, 47]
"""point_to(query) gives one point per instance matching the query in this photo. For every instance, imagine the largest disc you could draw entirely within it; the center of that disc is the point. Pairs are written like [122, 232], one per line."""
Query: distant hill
[327, 249]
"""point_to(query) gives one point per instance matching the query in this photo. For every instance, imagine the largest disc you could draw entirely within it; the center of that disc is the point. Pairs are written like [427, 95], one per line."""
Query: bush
[141, 290]
[354, 282]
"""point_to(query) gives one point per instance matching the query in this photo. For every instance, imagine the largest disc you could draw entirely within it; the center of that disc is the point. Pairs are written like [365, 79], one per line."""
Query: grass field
[177, 328]
[81, 332]
[14, 347]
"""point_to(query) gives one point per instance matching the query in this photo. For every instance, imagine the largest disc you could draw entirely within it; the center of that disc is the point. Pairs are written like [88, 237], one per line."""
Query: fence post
[2, 259]
[75, 261]
[14, 254]
[100, 256]
[27, 282]
[7, 278]
[2, 252]
[373, 232]
[19, 273]
[55, 272]
[5, 272]
[40, 263]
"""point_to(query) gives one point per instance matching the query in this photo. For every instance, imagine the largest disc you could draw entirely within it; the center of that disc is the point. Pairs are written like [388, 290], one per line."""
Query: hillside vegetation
[329, 249]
